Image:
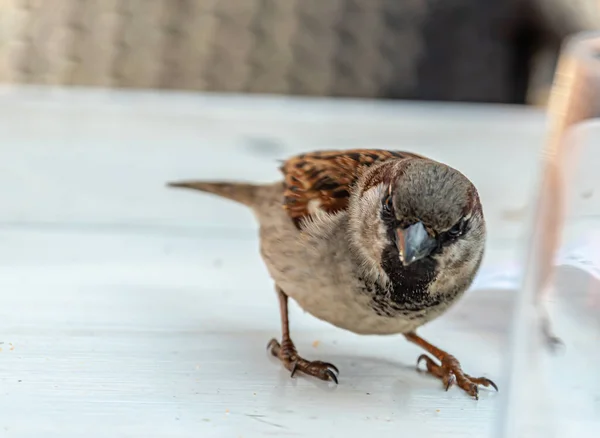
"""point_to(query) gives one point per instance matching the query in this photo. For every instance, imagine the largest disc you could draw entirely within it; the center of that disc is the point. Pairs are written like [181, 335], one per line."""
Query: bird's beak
[414, 243]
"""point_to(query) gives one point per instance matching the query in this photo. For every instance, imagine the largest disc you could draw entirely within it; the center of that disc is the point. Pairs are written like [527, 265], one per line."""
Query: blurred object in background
[452, 50]
[551, 22]
[557, 396]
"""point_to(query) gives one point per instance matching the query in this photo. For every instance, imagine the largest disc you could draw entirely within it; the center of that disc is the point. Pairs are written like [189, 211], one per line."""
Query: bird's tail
[243, 193]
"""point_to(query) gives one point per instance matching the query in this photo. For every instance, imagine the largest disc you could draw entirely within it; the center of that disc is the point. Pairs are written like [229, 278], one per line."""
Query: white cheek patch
[374, 195]
[368, 234]
[455, 254]
[454, 267]
[314, 205]
[364, 207]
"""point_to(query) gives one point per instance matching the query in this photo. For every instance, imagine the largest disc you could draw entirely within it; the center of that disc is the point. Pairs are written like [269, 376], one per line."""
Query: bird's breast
[321, 275]
[325, 284]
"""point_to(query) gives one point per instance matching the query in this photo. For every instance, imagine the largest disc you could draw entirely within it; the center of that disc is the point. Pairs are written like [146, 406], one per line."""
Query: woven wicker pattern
[422, 49]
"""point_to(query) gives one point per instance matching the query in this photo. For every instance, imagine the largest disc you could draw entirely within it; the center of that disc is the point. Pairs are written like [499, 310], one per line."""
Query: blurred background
[501, 51]
[127, 306]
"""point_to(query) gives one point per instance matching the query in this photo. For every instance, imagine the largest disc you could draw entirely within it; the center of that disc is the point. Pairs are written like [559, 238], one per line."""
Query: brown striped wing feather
[327, 177]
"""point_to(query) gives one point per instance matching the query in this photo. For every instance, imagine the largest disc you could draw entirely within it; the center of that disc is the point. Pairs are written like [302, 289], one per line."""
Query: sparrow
[372, 241]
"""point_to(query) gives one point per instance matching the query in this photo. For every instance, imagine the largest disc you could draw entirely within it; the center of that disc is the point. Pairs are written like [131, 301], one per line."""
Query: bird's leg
[449, 369]
[287, 354]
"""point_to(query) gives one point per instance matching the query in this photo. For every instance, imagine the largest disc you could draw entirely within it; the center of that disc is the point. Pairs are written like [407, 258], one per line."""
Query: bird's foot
[451, 373]
[287, 354]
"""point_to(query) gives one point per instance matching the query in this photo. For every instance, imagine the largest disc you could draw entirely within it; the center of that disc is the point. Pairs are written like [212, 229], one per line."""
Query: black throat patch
[409, 285]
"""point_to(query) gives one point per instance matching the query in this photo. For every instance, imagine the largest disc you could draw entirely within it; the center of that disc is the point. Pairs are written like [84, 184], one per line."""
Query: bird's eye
[457, 230]
[387, 204]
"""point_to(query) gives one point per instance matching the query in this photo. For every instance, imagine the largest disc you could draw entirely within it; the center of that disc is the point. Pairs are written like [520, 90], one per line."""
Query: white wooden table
[127, 309]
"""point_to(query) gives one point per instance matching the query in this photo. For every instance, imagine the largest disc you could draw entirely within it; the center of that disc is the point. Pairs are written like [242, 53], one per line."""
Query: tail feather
[243, 193]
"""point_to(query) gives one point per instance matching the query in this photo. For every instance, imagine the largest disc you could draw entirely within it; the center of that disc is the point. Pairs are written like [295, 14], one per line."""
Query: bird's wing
[326, 178]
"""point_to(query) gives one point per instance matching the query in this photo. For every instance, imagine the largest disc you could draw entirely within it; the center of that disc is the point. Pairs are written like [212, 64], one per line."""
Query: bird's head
[417, 214]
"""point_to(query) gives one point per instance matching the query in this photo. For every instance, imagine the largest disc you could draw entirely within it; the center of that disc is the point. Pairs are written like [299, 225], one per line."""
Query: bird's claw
[451, 380]
[294, 368]
[326, 365]
[321, 370]
[488, 382]
[331, 376]
[271, 344]
[451, 374]
[287, 354]
[421, 358]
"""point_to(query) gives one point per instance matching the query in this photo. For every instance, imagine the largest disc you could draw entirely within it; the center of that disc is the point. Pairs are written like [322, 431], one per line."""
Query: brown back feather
[328, 177]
